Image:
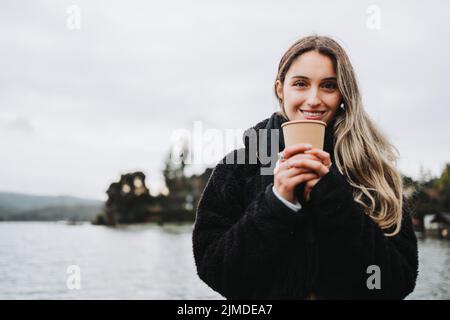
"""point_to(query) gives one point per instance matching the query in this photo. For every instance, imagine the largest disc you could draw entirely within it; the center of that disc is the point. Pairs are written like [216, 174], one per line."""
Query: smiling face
[310, 91]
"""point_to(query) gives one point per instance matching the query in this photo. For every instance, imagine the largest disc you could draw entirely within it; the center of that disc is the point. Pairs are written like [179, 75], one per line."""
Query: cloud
[80, 107]
[18, 124]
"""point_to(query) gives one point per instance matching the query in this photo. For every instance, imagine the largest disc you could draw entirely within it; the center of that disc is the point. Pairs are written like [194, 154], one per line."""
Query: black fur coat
[248, 245]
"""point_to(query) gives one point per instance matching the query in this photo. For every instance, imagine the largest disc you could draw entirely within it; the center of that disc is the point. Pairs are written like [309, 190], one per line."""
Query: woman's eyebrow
[303, 77]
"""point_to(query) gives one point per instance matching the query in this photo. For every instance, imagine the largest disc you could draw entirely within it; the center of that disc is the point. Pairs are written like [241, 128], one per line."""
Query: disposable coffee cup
[304, 131]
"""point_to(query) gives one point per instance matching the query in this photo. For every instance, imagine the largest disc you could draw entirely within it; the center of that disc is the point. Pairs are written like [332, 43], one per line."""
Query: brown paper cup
[304, 131]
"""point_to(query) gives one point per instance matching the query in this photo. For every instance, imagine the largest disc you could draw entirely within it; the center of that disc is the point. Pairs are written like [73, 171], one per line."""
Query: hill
[26, 207]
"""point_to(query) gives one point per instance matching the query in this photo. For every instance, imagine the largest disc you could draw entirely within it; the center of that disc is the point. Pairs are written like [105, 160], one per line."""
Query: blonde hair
[362, 153]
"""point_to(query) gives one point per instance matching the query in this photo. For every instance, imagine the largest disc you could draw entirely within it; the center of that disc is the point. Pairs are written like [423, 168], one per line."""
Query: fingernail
[309, 145]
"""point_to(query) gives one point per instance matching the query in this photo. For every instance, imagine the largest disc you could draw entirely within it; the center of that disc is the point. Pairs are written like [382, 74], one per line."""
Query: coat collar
[274, 122]
[273, 133]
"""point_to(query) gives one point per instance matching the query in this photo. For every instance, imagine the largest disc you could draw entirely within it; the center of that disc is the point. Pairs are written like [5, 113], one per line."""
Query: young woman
[327, 224]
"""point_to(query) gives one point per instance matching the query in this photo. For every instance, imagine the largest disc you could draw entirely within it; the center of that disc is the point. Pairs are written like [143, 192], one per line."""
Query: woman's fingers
[303, 156]
[294, 149]
[322, 155]
[301, 178]
[308, 187]
[313, 165]
[296, 166]
[311, 183]
[284, 169]
[288, 165]
[288, 173]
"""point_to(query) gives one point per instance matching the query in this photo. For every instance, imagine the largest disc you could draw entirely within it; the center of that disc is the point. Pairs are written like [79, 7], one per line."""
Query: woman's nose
[313, 97]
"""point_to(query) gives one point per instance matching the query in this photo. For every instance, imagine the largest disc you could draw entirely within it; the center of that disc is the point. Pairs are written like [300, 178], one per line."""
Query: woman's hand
[325, 159]
[287, 176]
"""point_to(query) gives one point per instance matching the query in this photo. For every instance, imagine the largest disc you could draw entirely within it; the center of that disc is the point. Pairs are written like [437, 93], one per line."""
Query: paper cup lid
[303, 121]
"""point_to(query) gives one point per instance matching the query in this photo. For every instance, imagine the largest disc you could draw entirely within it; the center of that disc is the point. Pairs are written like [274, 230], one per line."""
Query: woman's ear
[279, 89]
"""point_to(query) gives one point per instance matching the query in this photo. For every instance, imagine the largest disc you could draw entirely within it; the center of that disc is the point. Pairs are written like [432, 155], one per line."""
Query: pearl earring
[342, 106]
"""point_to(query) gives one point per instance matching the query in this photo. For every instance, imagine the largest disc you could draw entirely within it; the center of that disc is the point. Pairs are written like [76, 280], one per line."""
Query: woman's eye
[300, 84]
[330, 85]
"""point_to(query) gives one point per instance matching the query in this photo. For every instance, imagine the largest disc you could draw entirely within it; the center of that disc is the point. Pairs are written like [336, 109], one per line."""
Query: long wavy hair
[362, 153]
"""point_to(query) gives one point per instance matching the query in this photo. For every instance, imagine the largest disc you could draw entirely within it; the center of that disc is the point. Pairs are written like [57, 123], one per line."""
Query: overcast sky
[78, 107]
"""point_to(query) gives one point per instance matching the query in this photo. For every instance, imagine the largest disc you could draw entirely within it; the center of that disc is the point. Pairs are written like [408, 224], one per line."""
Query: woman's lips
[312, 115]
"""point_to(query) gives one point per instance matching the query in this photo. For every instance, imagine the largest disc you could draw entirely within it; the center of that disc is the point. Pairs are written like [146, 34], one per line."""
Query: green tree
[174, 166]
[443, 186]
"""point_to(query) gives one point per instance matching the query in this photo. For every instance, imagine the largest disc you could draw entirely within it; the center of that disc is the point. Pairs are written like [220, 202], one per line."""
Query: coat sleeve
[351, 246]
[234, 246]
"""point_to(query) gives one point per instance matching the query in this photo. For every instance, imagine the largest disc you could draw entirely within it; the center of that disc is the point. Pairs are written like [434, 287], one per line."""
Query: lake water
[137, 262]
